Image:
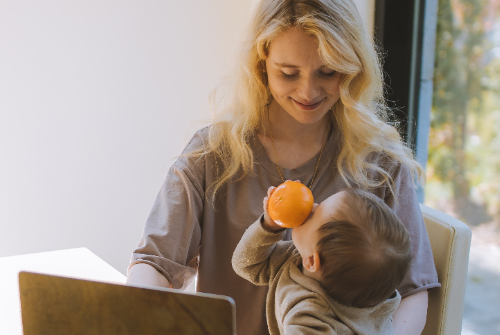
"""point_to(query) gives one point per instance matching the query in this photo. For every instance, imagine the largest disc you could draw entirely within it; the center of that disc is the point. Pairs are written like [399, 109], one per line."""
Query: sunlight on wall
[367, 11]
[96, 99]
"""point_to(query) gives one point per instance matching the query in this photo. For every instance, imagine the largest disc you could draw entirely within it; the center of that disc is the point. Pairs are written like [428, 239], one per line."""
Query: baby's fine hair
[365, 252]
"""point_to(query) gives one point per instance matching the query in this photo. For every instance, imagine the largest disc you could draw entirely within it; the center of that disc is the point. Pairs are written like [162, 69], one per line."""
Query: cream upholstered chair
[450, 242]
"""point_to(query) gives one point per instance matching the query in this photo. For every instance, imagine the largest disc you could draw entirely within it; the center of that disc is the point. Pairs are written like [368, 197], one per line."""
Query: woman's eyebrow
[287, 65]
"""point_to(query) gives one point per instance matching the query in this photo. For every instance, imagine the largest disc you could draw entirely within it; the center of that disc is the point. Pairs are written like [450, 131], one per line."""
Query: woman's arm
[145, 274]
[410, 316]
[172, 233]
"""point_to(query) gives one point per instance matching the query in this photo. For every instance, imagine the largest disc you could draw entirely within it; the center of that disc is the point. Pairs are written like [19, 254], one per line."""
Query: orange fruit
[290, 204]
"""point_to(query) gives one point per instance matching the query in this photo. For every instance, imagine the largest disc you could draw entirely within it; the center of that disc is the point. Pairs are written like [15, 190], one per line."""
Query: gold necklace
[277, 163]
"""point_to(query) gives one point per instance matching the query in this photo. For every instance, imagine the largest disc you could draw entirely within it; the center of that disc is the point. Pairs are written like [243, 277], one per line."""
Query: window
[463, 168]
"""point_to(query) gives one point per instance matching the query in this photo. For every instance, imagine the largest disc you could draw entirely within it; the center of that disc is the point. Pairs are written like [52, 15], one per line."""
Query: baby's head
[356, 247]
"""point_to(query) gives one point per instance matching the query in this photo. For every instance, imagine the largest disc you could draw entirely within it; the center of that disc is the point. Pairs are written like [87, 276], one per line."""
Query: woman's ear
[312, 262]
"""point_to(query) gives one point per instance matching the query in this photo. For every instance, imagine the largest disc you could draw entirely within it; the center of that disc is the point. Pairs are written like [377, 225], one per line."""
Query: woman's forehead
[294, 47]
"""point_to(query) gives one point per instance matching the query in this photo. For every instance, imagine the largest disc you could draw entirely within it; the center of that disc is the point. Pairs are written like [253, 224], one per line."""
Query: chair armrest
[450, 242]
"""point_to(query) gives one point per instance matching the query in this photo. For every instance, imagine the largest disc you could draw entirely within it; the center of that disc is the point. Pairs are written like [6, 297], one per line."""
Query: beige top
[183, 224]
[297, 304]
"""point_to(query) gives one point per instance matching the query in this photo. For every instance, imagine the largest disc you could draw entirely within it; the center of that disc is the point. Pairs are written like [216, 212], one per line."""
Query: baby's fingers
[270, 191]
[296, 180]
[265, 202]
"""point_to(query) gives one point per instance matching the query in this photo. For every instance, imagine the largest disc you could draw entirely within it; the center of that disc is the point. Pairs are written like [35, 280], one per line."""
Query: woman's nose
[308, 90]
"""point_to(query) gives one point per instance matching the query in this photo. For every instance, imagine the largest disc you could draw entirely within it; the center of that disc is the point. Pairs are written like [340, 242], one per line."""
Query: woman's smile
[308, 106]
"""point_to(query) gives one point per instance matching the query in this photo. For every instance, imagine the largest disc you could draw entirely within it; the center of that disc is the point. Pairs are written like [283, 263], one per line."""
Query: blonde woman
[306, 103]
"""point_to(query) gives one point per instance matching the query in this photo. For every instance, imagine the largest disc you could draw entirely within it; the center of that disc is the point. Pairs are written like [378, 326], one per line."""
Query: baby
[340, 273]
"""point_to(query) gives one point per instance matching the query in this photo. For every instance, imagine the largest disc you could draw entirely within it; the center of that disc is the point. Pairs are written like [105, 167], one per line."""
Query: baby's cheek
[296, 236]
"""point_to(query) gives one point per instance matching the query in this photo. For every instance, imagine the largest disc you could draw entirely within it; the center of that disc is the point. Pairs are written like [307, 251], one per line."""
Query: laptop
[61, 306]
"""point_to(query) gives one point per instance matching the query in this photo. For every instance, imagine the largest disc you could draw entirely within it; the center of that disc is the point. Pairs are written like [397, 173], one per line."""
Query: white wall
[96, 98]
[367, 11]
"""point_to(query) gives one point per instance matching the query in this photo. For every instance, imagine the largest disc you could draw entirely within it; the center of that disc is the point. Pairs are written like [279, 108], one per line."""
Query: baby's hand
[268, 223]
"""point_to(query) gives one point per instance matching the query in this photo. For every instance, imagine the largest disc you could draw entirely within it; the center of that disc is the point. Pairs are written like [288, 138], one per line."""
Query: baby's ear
[312, 262]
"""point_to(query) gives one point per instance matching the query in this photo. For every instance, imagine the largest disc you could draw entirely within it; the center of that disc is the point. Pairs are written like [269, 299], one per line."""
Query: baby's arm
[260, 254]
[309, 317]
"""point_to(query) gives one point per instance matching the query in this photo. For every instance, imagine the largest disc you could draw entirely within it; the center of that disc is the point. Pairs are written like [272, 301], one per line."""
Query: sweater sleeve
[422, 274]
[172, 233]
[260, 254]
[306, 318]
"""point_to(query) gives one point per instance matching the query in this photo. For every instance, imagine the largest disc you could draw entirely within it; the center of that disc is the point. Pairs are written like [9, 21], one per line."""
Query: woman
[307, 104]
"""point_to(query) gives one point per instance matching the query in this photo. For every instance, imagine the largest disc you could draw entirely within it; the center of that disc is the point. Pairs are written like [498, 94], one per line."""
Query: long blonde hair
[360, 115]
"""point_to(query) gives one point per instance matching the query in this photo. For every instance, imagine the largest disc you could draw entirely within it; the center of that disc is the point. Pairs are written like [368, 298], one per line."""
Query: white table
[76, 263]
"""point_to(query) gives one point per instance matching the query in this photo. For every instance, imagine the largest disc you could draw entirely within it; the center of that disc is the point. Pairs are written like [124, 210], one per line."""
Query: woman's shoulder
[387, 163]
[192, 157]
[396, 176]
[198, 140]
[398, 165]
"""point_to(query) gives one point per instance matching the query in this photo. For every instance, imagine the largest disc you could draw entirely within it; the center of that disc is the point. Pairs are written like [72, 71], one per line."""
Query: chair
[450, 242]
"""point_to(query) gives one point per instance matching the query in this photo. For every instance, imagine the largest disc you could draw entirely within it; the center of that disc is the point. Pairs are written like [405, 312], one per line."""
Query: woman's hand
[268, 223]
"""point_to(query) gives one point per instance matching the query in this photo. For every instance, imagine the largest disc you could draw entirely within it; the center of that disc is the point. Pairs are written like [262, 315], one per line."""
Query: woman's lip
[307, 107]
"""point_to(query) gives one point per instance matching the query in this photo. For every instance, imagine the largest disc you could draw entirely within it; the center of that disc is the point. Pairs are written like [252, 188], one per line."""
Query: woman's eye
[288, 75]
[295, 75]
[328, 74]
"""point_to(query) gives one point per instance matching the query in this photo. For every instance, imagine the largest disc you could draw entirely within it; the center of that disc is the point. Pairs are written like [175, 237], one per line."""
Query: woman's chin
[308, 117]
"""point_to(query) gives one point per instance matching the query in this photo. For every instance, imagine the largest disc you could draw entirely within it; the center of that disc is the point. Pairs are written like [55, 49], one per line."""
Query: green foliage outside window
[463, 169]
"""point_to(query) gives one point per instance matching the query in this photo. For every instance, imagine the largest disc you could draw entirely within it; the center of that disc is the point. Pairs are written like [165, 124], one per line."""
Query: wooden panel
[58, 305]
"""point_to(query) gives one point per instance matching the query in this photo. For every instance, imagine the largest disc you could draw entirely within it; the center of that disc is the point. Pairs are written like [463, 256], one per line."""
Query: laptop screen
[60, 305]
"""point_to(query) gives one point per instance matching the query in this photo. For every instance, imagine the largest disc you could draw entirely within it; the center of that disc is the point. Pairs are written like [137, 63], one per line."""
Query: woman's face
[299, 81]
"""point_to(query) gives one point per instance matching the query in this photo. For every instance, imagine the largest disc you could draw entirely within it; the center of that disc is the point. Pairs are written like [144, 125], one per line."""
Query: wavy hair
[360, 115]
